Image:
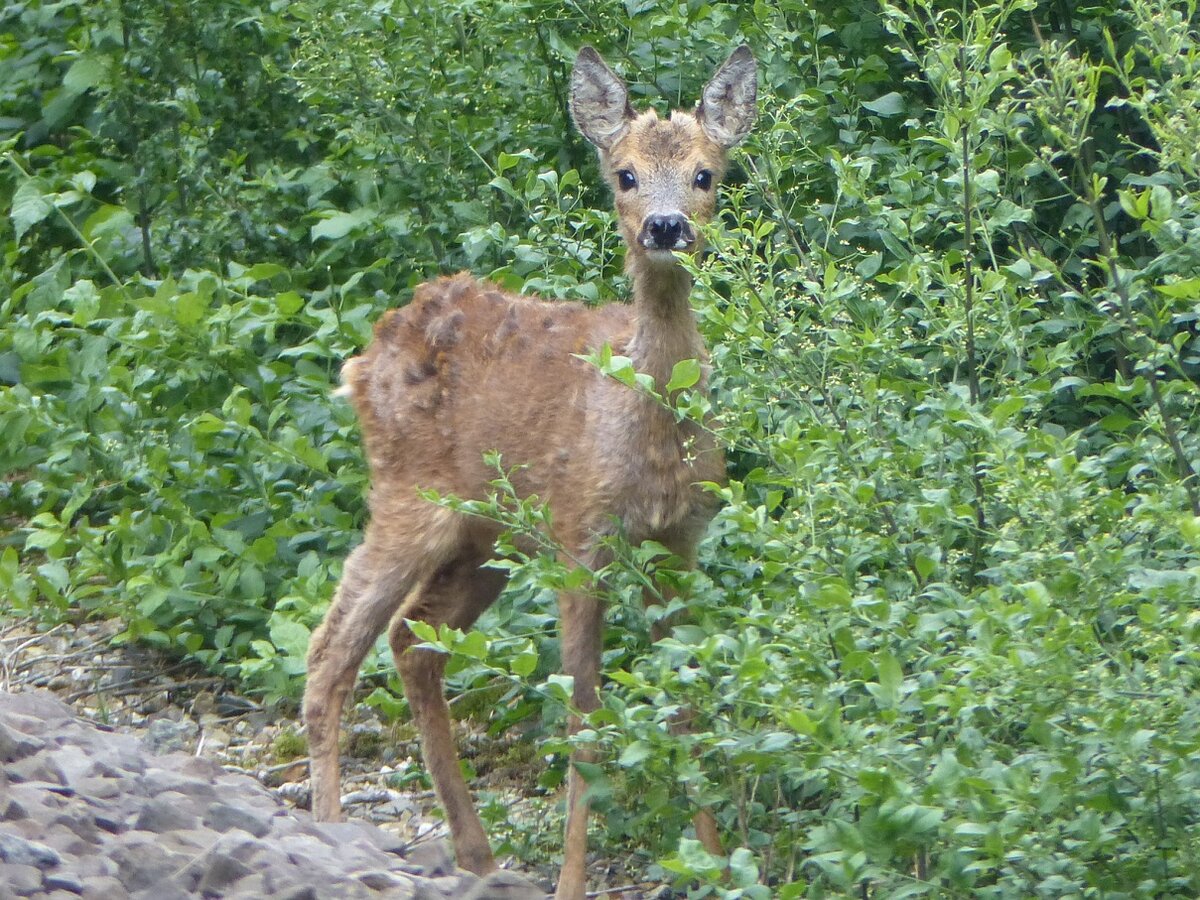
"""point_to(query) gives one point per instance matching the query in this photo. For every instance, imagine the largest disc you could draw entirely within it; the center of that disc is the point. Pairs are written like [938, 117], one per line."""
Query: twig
[6, 667]
[625, 887]
[142, 688]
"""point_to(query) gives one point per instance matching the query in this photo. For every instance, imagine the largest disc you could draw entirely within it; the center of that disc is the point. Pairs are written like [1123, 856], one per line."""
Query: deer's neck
[665, 329]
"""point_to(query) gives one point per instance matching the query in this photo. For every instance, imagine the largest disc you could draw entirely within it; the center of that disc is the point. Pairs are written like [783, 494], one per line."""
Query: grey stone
[104, 887]
[63, 881]
[297, 892]
[21, 879]
[188, 841]
[166, 889]
[504, 886]
[40, 706]
[99, 787]
[166, 736]
[111, 823]
[79, 822]
[252, 887]
[158, 781]
[309, 854]
[14, 745]
[396, 885]
[221, 871]
[432, 857]
[192, 767]
[142, 862]
[95, 866]
[40, 767]
[73, 763]
[336, 833]
[224, 816]
[18, 851]
[167, 812]
[63, 839]
[10, 809]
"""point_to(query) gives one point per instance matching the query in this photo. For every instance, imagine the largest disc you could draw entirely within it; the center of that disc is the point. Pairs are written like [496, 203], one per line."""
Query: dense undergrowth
[944, 635]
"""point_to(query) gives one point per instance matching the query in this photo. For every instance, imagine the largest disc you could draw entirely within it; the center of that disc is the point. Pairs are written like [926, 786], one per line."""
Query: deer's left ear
[728, 105]
[599, 100]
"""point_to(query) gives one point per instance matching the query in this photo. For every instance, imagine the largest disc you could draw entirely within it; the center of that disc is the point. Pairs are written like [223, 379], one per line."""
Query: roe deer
[465, 369]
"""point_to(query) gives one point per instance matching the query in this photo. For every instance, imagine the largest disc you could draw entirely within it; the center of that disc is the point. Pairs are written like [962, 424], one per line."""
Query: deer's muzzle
[667, 232]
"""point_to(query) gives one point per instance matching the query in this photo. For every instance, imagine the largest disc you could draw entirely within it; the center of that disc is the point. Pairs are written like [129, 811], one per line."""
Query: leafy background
[944, 637]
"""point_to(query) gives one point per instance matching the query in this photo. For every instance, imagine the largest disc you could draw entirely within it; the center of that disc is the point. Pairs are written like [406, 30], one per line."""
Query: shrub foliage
[943, 640]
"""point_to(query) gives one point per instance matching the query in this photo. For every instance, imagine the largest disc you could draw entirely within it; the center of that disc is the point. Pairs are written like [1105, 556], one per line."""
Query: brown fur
[467, 368]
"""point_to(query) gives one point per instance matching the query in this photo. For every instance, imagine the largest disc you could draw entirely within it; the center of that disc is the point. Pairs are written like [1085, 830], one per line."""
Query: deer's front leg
[581, 625]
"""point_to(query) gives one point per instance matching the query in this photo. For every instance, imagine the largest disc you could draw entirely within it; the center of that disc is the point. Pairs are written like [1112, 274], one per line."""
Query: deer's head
[663, 172]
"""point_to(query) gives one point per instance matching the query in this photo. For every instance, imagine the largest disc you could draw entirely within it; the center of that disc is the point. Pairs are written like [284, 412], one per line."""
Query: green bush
[943, 638]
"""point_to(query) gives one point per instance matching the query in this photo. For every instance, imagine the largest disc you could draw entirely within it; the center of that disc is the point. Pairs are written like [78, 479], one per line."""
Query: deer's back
[468, 368]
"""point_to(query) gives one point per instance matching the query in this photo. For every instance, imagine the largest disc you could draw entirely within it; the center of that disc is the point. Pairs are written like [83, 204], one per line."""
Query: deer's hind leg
[377, 576]
[456, 594]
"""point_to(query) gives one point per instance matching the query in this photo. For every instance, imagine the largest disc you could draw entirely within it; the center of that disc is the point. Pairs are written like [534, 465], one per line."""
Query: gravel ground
[93, 814]
[112, 754]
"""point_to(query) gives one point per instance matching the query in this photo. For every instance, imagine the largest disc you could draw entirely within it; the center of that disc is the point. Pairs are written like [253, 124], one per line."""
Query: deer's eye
[626, 180]
[704, 179]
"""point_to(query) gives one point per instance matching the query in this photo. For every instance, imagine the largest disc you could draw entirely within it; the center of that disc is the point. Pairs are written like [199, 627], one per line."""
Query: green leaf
[637, 752]
[289, 302]
[289, 635]
[105, 221]
[29, 206]
[684, 374]
[86, 72]
[890, 104]
[743, 868]
[524, 663]
[1187, 289]
[423, 630]
[337, 226]
[473, 644]
[891, 675]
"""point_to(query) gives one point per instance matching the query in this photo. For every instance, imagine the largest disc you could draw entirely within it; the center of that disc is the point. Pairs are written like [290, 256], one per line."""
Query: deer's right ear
[599, 100]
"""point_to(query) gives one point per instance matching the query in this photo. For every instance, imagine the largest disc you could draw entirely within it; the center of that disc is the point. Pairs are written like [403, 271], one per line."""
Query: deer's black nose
[669, 232]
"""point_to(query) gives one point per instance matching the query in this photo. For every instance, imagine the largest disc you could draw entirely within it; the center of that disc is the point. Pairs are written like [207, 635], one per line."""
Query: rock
[63, 881]
[89, 813]
[505, 886]
[41, 707]
[18, 851]
[169, 889]
[142, 862]
[92, 867]
[165, 736]
[11, 809]
[38, 767]
[221, 872]
[224, 816]
[379, 880]
[158, 781]
[22, 880]
[104, 787]
[14, 745]
[74, 763]
[170, 811]
[104, 887]
[432, 858]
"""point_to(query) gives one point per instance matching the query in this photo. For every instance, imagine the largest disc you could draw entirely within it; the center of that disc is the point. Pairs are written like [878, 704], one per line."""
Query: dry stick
[143, 688]
[625, 887]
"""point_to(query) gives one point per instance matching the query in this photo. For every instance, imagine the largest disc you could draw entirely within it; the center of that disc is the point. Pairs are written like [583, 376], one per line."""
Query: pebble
[93, 814]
